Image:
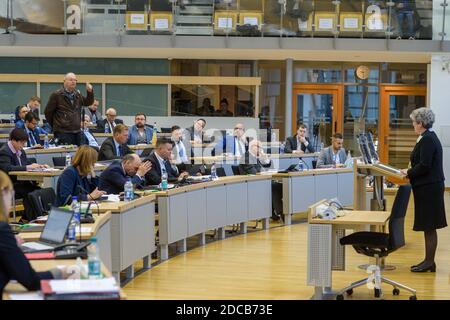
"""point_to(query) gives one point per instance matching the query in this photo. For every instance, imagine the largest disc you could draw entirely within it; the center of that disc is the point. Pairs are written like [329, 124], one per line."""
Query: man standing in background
[63, 110]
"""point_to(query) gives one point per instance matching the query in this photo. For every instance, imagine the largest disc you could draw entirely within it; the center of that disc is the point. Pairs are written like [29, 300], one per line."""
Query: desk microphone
[81, 189]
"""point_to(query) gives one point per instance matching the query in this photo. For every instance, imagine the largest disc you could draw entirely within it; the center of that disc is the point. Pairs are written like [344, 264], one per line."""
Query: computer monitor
[364, 148]
[56, 226]
[373, 151]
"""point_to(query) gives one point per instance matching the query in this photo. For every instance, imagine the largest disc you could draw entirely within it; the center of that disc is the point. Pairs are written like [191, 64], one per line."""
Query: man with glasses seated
[180, 149]
[107, 125]
[115, 147]
[236, 144]
[195, 134]
[140, 133]
[31, 129]
[334, 156]
[87, 137]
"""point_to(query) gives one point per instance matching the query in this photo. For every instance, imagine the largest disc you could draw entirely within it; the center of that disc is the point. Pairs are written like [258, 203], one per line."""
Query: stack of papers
[80, 289]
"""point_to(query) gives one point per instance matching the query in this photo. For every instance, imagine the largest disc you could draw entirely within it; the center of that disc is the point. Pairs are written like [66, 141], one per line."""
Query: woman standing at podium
[427, 180]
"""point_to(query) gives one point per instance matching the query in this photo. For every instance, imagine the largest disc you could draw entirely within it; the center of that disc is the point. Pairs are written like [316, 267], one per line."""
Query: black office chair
[41, 200]
[236, 170]
[379, 245]
[59, 161]
[221, 172]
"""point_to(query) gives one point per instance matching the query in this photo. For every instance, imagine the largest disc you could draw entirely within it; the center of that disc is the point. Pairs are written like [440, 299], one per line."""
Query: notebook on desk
[53, 233]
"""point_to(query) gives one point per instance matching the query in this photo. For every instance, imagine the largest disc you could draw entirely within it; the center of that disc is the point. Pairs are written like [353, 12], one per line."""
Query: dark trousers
[277, 196]
[22, 189]
[68, 138]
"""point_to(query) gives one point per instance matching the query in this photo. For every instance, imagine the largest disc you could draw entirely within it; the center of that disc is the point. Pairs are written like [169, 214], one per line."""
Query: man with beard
[140, 133]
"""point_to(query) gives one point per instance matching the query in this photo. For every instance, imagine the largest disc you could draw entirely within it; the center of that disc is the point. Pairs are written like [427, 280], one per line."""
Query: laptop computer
[54, 231]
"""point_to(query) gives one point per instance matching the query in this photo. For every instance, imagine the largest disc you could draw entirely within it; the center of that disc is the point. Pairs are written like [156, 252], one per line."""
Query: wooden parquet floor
[272, 265]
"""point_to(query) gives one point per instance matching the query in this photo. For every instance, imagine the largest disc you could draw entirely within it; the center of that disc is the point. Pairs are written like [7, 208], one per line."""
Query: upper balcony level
[236, 24]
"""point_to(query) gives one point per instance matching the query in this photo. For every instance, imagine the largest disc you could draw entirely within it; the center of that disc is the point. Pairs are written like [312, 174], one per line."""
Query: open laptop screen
[56, 226]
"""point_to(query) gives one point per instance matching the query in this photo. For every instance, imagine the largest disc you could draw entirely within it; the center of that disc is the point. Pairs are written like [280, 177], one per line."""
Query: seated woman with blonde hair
[79, 179]
[13, 263]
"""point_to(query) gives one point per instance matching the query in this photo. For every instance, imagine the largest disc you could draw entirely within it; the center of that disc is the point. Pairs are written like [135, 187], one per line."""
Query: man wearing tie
[88, 138]
[31, 130]
[235, 144]
[107, 125]
[115, 147]
[160, 160]
[13, 158]
[299, 143]
[180, 154]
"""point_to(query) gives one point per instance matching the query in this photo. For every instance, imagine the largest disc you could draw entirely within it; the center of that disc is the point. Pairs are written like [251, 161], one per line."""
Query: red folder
[40, 255]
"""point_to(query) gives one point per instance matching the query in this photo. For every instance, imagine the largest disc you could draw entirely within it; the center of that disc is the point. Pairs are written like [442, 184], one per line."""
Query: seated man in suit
[299, 143]
[116, 175]
[13, 158]
[20, 122]
[140, 133]
[115, 147]
[107, 125]
[334, 156]
[160, 159]
[87, 137]
[255, 161]
[236, 144]
[93, 113]
[31, 120]
[180, 149]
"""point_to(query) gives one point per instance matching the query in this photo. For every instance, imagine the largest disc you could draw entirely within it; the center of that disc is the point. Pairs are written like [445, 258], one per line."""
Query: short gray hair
[425, 116]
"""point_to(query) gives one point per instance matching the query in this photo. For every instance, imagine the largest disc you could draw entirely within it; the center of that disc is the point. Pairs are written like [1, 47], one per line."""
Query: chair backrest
[236, 170]
[41, 200]
[397, 218]
[221, 172]
[32, 160]
[59, 161]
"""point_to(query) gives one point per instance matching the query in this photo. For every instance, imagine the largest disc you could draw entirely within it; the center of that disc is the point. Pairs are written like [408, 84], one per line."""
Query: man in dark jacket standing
[63, 110]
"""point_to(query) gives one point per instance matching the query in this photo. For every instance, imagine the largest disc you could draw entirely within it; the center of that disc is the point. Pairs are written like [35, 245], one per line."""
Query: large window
[129, 99]
[15, 94]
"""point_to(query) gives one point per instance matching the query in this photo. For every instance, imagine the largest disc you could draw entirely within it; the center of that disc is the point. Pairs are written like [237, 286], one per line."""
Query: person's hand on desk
[37, 146]
[96, 194]
[19, 240]
[298, 152]
[36, 166]
[183, 175]
[144, 168]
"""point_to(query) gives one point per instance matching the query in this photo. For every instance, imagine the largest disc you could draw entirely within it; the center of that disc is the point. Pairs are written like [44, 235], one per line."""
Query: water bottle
[46, 141]
[68, 160]
[322, 146]
[128, 190]
[94, 264]
[164, 181]
[12, 118]
[154, 136]
[282, 147]
[349, 160]
[75, 222]
[301, 165]
[214, 172]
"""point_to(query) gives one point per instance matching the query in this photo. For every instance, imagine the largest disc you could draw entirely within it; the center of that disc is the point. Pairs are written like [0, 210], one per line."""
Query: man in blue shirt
[88, 138]
[31, 129]
[23, 110]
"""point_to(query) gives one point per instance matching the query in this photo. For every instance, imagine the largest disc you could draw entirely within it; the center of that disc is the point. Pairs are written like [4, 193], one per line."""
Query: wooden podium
[361, 172]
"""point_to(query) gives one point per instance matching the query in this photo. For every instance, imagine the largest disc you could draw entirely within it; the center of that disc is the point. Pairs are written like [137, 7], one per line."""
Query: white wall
[439, 94]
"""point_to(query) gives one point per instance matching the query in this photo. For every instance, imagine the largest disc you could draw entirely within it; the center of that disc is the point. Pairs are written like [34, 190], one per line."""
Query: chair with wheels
[41, 200]
[380, 245]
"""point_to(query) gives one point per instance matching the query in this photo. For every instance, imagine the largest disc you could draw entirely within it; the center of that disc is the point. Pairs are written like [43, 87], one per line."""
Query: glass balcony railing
[412, 19]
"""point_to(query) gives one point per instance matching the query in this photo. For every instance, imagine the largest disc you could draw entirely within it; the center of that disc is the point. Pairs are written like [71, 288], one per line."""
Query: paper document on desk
[112, 197]
[84, 230]
[84, 285]
[35, 295]
[44, 169]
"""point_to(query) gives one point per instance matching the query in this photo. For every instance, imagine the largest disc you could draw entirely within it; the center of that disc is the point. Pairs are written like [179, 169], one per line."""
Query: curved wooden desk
[192, 210]
[132, 233]
[303, 188]
[45, 156]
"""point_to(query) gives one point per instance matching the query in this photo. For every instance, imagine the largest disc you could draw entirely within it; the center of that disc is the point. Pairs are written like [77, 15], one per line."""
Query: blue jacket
[68, 185]
[14, 265]
[133, 135]
[114, 177]
[21, 125]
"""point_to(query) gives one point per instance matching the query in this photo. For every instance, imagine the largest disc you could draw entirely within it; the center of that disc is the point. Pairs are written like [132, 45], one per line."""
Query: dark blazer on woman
[14, 265]
[69, 184]
[291, 145]
[427, 179]
[426, 161]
